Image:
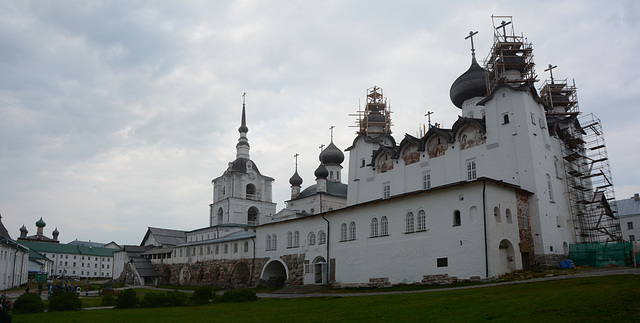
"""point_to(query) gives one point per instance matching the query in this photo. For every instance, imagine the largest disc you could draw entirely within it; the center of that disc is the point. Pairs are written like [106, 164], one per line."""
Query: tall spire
[242, 148]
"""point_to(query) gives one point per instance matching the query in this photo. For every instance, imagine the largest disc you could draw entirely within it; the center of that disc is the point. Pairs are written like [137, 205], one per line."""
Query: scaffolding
[560, 96]
[510, 60]
[375, 119]
[589, 181]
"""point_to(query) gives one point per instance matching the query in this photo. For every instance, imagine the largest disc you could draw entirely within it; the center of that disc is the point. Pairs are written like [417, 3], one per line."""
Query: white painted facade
[14, 264]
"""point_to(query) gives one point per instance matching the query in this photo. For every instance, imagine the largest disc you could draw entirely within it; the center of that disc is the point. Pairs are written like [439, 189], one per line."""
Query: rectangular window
[533, 118]
[361, 162]
[235, 248]
[443, 262]
[426, 180]
[226, 248]
[632, 237]
[246, 246]
[630, 225]
[386, 190]
[471, 170]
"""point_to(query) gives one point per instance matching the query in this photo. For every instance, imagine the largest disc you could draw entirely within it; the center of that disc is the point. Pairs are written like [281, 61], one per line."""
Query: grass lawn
[596, 299]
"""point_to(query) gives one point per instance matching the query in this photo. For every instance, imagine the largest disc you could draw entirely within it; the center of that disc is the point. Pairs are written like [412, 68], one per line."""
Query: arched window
[252, 216]
[525, 220]
[374, 228]
[496, 214]
[296, 239]
[251, 191]
[422, 220]
[505, 118]
[507, 215]
[289, 239]
[322, 237]
[409, 220]
[312, 239]
[274, 242]
[456, 218]
[268, 242]
[352, 231]
[219, 215]
[384, 226]
[343, 232]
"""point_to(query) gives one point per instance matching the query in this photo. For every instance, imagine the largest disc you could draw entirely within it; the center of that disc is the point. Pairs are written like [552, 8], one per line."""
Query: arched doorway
[274, 273]
[241, 275]
[507, 262]
[320, 270]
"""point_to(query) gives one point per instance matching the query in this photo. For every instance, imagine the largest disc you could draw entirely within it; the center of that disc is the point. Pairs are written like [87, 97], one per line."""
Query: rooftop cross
[331, 128]
[550, 69]
[243, 96]
[503, 25]
[428, 115]
[296, 156]
[473, 49]
[321, 147]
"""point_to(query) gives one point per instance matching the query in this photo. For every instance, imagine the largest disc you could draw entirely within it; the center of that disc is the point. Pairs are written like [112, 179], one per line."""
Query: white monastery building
[517, 178]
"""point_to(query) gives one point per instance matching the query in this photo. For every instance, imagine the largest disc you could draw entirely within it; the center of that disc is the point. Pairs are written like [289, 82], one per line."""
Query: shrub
[238, 296]
[126, 299]
[28, 303]
[62, 301]
[176, 298]
[202, 295]
[154, 299]
[108, 300]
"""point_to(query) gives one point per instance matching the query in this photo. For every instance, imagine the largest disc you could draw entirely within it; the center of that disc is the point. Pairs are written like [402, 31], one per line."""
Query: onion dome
[374, 116]
[295, 180]
[471, 84]
[24, 229]
[40, 223]
[331, 155]
[321, 172]
[55, 232]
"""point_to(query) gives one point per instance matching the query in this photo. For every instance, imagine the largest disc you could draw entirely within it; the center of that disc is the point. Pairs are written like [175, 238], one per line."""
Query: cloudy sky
[116, 115]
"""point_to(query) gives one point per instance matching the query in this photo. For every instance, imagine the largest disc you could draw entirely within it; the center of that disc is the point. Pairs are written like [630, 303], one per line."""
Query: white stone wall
[14, 266]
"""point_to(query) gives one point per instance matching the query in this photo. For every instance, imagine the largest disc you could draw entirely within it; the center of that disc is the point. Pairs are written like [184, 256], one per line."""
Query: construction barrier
[597, 254]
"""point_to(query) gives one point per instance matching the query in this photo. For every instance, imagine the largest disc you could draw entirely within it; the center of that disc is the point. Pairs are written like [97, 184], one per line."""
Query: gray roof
[167, 237]
[3, 231]
[144, 267]
[333, 188]
[628, 207]
[86, 243]
[238, 235]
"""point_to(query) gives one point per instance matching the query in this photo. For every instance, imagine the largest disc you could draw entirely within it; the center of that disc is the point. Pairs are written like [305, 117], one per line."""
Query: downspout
[484, 217]
[327, 244]
[13, 274]
[22, 269]
[253, 261]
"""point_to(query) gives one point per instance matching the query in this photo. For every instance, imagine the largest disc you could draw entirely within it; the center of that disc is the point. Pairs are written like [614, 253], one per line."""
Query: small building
[629, 216]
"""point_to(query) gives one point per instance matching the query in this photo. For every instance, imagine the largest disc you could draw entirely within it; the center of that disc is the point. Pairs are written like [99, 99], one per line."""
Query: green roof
[68, 249]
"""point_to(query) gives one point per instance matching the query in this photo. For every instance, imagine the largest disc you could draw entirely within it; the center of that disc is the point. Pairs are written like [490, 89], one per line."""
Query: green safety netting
[596, 254]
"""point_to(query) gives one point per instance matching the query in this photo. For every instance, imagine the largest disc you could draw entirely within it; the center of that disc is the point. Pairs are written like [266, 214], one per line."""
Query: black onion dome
[468, 85]
[23, 229]
[332, 155]
[55, 232]
[40, 223]
[295, 180]
[321, 172]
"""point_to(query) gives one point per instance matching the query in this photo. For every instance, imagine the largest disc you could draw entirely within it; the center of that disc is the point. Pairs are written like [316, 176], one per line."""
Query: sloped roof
[238, 235]
[628, 207]
[333, 188]
[3, 231]
[86, 243]
[70, 249]
[167, 237]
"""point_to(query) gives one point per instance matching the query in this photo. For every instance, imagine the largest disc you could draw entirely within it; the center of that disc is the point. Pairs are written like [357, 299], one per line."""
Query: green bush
[238, 296]
[126, 299]
[202, 295]
[63, 301]
[28, 303]
[108, 300]
[176, 298]
[154, 299]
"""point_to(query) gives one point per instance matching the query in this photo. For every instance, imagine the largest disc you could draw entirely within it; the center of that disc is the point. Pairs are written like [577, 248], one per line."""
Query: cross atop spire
[243, 123]
[321, 147]
[503, 25]
[473, 49]
[296, 157]
[331, 129]
[550, 69]
[428, 115]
